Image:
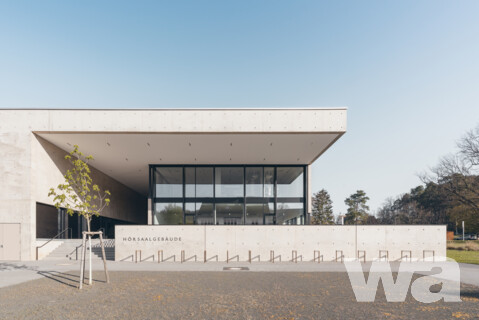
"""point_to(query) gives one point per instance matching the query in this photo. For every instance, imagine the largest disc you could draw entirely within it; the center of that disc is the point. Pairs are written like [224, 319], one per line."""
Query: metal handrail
[54, 238]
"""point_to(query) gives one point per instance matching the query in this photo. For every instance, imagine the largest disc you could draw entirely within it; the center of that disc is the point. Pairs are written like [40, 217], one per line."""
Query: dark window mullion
[305, 195]
[244, 195]
[166, 200]
[214, 194]
[153, 205]
[195, 198]
[275, 178]
[183, 187]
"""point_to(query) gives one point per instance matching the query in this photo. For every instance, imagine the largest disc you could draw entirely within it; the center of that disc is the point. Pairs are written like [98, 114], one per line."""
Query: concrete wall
[30, 166]
[164, 120]
[16, 204]
[49, 166]
[47, 248]
[238, 240]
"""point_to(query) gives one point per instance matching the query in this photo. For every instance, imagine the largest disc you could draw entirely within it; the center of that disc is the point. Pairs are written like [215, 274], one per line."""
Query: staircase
[71, 249]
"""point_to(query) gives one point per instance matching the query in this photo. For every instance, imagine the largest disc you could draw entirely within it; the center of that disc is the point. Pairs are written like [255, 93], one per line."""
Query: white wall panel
[332, 242]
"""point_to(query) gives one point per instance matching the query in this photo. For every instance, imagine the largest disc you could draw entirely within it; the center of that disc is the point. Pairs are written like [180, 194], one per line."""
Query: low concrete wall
[235, 242]
[48, 248]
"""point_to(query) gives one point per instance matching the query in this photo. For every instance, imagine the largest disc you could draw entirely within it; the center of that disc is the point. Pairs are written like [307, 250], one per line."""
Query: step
[70, 249]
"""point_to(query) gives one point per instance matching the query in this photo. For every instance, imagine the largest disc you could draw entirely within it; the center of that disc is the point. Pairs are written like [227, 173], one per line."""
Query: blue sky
[407, 70]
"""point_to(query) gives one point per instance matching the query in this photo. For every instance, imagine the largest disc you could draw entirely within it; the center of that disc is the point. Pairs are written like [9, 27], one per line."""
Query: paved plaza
[205, 291]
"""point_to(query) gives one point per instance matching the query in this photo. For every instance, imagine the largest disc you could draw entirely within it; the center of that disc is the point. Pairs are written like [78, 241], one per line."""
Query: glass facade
[228, 195]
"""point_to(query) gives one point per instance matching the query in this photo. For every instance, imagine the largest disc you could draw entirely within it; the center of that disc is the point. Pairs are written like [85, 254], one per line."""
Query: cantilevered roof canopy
[125, 142]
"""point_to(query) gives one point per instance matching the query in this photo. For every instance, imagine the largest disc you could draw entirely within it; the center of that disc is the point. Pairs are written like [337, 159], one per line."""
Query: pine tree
[322, 208]
[358, 210]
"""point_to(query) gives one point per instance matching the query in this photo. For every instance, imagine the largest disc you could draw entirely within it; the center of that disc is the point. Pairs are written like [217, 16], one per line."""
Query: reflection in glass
[290, 213]
[189, 182]
[204, 182]
[190, 208]
[254, 213]
[205, 188]
[204, 213]
[254, 182]
[268, 182]
[169, 182]
[290, 182]
[229, 213]
[269, 216]
[190, 214]
[168, 213]
[229, 182]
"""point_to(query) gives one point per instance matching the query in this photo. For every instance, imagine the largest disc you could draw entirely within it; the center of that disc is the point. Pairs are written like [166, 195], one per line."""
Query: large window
[254, 182]
[204, 182]
[228, 195]
[168, 213]
[229, 213]
[289, 213]
[229, 182]
[169, 182]
[290, 182]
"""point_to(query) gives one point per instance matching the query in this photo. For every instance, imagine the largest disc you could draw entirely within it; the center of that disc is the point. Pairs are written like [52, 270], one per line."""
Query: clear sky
[407, 70]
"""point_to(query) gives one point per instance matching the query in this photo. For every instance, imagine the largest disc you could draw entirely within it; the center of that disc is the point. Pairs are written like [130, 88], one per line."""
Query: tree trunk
[88, 221]
[90, 271]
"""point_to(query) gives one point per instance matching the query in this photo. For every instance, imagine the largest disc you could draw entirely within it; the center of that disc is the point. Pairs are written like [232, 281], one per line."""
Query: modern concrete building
[166, 167]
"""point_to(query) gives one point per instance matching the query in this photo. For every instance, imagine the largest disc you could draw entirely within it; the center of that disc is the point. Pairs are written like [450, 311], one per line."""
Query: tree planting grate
[235, 268]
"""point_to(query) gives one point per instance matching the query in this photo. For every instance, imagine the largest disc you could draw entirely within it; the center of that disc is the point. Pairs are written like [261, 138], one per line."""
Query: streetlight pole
[463, 238]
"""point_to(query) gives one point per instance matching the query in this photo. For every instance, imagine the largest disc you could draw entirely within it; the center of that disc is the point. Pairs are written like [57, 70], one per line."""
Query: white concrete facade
[233, 243]
[124, 142]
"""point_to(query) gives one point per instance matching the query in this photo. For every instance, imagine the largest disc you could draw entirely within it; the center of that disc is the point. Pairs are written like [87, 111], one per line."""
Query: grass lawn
[464, 256]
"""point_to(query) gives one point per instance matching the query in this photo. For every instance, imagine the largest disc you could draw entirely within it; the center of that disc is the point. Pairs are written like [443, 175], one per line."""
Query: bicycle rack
[272, 258]
[381, 256]
[137, 253]
[405, 256]
[161, 257]
[228, 257]
[317, 255]
[341, 256]
[363, 256]
[424, 254]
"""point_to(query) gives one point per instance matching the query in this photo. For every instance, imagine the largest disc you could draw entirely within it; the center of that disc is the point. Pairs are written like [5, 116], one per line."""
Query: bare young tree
[79, 194]
[457, 174]
[469, 147]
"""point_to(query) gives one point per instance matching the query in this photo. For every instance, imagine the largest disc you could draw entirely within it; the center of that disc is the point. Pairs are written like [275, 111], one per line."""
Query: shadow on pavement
[474, 293]
[68, 279]
[12, 266]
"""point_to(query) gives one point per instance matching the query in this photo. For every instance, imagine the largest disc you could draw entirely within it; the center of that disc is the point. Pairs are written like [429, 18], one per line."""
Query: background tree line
[449, 195]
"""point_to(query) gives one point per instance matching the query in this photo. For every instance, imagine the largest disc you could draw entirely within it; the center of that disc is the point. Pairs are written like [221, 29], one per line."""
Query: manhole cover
[235, 268]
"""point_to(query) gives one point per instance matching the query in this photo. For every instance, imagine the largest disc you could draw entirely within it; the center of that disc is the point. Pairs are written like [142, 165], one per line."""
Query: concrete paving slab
[12, 273]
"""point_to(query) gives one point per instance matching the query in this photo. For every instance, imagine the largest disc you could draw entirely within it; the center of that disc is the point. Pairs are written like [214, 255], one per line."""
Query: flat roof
[149, 109]
[125, 141]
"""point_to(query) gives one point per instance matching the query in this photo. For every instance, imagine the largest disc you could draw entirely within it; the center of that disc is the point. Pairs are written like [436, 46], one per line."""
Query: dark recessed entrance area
[51, 221]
